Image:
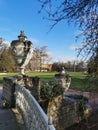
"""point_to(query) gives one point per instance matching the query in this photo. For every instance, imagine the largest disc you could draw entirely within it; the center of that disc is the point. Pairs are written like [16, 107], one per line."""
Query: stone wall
[8, 91]
[65, 112]
[31, 83]
[34, 116]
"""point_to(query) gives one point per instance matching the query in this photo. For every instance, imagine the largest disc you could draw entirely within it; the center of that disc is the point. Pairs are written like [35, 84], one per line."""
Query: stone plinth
[65, 80]
[8, 91]
[31, 83]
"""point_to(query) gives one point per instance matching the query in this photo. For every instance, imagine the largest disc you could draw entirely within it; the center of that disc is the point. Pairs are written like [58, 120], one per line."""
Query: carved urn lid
[22, 36]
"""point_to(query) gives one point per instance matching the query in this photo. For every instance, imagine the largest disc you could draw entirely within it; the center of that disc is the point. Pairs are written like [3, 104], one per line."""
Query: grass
[6, 75]
[78, 79]
[43, 75]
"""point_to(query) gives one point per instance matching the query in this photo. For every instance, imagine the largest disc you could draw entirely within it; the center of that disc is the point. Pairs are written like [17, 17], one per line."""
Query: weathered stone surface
[64, 78]
[8, 91]
[31, 83]
[34, 116]
[22, 51]
[65, 112]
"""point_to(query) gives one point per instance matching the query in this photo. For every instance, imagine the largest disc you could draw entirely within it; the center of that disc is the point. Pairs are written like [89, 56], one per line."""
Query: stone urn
[22, 51]
[63, 78]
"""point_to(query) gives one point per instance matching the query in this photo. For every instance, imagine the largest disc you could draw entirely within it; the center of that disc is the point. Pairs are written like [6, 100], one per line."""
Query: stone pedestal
[65, 80]
[9, 83]
[8, 91]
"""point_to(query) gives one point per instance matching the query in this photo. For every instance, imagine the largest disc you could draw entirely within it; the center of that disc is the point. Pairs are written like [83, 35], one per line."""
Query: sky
[16, 15]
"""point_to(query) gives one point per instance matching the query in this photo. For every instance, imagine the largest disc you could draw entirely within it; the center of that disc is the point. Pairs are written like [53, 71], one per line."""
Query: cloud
[65, 58]
[35, 41]
[73, 47]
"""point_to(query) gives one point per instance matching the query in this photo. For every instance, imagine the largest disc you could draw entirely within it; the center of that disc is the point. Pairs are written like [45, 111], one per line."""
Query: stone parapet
[8, 91]
[33, 114]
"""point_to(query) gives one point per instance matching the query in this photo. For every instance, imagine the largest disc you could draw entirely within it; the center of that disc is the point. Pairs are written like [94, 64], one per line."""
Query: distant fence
[33, 114]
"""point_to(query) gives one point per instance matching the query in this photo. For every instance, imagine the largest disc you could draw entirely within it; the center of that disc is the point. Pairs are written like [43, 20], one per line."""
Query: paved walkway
[93, 97]
[10, 119]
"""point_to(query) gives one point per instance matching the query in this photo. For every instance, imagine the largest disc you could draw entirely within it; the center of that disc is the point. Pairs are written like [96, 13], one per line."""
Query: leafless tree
[3, 45]
[40, 57]
[84, 13]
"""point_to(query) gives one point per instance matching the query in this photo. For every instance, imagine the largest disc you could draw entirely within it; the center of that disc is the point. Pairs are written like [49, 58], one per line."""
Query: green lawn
[5, 75]
[78, 79]
[43, 75]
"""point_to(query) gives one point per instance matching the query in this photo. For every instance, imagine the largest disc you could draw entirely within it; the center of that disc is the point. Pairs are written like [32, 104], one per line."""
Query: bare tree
[3, 45]
[40, 57]
[84, 13]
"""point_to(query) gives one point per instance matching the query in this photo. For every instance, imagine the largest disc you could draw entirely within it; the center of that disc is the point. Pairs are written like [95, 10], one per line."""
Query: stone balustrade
[25, 93]
[33, 114]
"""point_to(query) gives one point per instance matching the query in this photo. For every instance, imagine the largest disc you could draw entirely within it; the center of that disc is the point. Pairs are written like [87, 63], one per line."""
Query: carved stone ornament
[22, 51]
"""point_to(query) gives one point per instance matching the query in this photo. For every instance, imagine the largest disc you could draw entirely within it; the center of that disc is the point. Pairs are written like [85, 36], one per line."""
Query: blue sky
[16, 15]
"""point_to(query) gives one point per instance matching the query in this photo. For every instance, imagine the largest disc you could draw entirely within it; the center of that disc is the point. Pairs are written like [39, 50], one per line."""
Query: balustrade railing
[34, 116]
